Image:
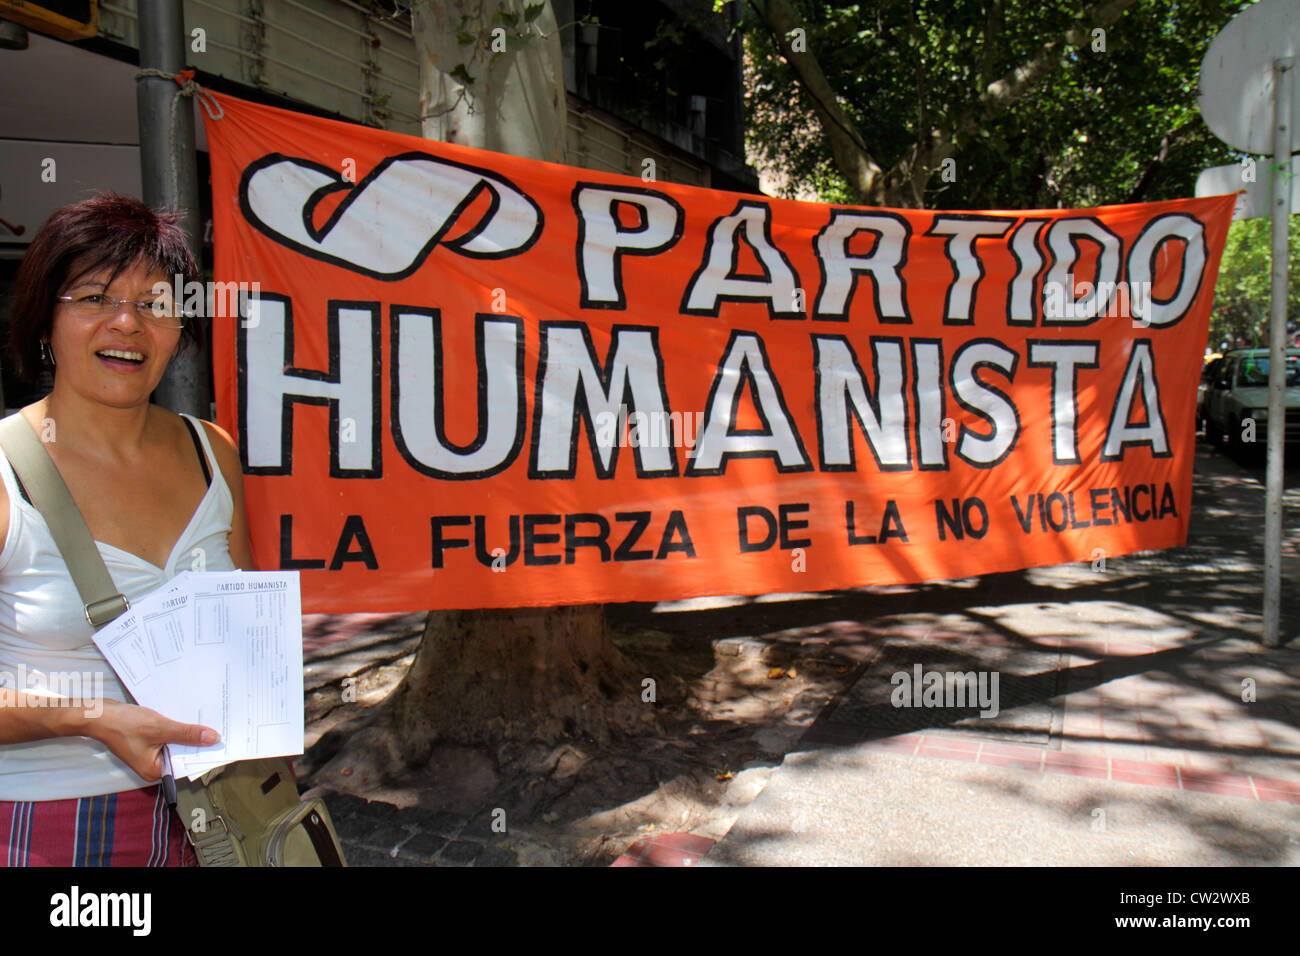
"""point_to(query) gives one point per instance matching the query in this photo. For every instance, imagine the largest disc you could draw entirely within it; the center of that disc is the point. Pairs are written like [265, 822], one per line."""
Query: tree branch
[848, 148]
[1015, 84]
[1148, 176]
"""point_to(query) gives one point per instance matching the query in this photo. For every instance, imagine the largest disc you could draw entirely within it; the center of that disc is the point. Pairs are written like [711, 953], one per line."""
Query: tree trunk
[525, 674]
[490, 679]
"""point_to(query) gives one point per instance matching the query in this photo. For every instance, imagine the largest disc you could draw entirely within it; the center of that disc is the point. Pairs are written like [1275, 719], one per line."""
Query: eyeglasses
[161, 311]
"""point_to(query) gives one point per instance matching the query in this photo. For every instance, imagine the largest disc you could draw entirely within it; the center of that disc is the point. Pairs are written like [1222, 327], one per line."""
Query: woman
[160, 493]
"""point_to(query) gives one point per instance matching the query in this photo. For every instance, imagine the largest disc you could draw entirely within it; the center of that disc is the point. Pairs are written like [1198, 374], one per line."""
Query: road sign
[1236, 80]
[1248, 98]
[1255, 202]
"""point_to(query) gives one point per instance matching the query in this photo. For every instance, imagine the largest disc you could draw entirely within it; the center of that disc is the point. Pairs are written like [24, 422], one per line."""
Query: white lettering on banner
[410, 201]
[270, 381]
[572, 395]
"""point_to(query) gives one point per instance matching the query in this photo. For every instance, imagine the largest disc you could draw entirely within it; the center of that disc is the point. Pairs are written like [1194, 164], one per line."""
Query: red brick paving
[666, 849]
[1143, 772]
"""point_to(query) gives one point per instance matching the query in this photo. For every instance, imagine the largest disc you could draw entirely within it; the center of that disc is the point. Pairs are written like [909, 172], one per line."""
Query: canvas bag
[246, 813]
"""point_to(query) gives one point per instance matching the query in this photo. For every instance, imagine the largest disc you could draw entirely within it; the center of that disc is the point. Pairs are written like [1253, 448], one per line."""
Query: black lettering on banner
[1140, 512]
[1052, 499]
[484, 555]
[742, 520]
[640, 521]
[957, 519]
[676, 537]
[1167, 504]
[439, 541]
[786, 523]
[532, 538]
[354, 529]
[1025, 518]
[573, 541]
[1075, 522]
[891, 525]
[1099, 506]
[1121, 503]
[287, 561]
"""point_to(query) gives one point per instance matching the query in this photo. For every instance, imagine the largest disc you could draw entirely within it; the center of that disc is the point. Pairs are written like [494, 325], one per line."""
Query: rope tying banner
[185, 80]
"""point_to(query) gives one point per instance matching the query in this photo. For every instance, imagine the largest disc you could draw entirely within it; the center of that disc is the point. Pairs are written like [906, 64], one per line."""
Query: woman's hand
[137, 734]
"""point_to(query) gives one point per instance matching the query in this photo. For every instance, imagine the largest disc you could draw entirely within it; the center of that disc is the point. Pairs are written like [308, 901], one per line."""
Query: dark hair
[110, 231]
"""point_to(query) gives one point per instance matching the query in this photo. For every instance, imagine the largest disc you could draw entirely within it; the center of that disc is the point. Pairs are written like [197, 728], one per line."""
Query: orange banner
[462, 379]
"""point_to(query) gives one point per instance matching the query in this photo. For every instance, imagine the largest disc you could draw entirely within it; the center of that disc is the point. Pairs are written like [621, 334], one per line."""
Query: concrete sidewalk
[1141, 723]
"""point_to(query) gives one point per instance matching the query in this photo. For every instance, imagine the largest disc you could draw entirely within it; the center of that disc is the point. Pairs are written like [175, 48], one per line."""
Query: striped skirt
[131, 828]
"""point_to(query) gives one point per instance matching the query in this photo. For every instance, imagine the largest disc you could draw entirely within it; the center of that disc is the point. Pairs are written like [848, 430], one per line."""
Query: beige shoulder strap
[44, 485]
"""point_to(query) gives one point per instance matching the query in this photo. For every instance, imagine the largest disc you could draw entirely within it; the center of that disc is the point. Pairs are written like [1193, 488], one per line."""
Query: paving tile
[1064, 758]
[1011, 750]
[343, 804]
[459, 854]
[364, 856]
[1076, 770]
[686, 843]
[422, 846]
[1142, 766]
[438, 821]
[662, 852]
[1147, 779]
[1229, 785]
[943, 753]
[1274, 783]
[378, 810]
[1277, 796]
[1020, 763]
[496, 856]
[355, 828]
[386, 837]
[904, 744]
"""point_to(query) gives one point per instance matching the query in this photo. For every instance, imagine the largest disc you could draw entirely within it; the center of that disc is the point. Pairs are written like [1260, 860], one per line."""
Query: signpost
[1248, 100]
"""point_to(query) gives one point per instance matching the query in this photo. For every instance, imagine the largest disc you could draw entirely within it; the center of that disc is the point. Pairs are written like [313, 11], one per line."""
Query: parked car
[1237, 390]
[1209, 372]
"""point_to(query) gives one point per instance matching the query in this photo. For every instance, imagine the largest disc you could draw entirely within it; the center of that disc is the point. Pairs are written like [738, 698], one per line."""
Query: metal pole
[1283, 88]
[168, 173]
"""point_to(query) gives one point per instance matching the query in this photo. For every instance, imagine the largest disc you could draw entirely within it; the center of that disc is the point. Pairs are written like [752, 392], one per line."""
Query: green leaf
[462, 74]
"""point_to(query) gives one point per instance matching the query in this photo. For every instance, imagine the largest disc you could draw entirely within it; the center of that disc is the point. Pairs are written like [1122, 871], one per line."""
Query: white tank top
[45, 641]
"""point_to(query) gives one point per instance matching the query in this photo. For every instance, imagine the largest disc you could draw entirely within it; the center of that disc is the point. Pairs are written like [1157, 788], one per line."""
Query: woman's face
[116, 359]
